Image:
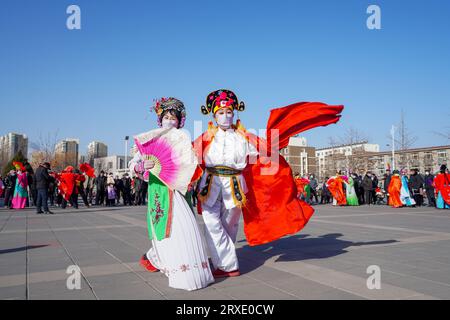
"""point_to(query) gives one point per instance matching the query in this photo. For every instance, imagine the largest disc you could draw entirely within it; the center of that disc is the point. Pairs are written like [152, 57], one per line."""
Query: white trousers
[221, 231]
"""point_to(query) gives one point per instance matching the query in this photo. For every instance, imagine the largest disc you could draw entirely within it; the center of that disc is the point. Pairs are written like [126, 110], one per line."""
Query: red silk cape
[272, 209]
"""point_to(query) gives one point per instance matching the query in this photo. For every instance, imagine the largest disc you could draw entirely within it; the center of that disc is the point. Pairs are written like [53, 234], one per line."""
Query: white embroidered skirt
[182, 256]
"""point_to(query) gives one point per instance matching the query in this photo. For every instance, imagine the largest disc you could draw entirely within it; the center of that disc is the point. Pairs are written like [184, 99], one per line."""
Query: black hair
[174, 113]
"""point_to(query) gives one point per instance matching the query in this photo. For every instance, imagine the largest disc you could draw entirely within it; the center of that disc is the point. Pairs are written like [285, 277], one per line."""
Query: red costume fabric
[394, 190]
[68, 180]
[442, 185]
[299, 117]
[336, 187]
[86, 168]
[273, 209]
[301, 183]
[67, 183]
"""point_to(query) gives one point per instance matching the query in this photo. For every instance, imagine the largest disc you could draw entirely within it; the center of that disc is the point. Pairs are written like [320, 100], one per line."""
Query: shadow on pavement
[22, 249]
[298, 248]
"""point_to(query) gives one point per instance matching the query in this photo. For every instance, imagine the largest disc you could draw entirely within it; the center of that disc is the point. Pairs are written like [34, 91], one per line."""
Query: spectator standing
[100, 183]
[314, 186]
[41, 184]
[367, 185]
[111, 200]
[387, 181]
[415, 184]
[126, 183]
[325, 195]
[429, 188]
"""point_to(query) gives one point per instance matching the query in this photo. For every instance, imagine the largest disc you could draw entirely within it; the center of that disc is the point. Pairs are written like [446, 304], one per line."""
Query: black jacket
[100, 183]
[367, 183]
[415, 182]
[387, 182]
[126, 184]
[41, 178]
[10, 182]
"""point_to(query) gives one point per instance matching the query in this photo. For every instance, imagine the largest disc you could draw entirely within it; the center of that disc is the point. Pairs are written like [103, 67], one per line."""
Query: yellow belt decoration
[236, 189]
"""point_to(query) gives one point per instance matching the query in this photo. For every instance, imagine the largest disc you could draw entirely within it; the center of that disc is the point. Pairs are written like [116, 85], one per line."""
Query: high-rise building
[10, 145]
[96, 150]
[66, 153]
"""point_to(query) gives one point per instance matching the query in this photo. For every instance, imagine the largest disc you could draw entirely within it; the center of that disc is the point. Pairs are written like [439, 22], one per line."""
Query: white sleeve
[137, 159]
[252, 151]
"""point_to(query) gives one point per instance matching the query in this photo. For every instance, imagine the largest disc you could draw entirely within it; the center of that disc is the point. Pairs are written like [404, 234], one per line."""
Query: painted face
[224, 118]
[169, 121]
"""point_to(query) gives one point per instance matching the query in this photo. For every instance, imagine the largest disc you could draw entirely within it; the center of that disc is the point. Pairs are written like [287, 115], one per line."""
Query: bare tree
[444, 134]
[404, 139]
[353, 157]
[44, 149]
[353, 136]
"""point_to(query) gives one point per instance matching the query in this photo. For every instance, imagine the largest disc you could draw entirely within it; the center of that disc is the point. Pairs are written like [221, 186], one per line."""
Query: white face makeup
[224, 118]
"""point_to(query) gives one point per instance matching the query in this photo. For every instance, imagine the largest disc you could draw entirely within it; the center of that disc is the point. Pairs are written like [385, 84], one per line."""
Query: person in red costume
[394, 190]
[442, 188]
[68, 186]
[245, 174]
[336, 186]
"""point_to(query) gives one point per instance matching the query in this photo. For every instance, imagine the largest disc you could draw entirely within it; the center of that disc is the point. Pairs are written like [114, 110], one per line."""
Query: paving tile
[338, 241]
[13, 293]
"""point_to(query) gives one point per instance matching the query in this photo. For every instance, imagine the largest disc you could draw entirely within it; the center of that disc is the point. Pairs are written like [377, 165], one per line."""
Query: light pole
[393, 147]
[126, 151]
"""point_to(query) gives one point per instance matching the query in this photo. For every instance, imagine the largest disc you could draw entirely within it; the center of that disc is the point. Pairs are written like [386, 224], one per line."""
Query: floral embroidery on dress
[184, 268]
[205, 265]
[159, 213]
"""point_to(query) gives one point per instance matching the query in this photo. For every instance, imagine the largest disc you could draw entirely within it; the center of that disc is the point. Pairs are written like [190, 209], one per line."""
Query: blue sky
[98, 82]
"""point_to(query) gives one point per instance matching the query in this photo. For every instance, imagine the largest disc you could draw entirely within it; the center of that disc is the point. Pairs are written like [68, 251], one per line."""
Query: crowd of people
[399, 188]
[24, 187]
[43, 188]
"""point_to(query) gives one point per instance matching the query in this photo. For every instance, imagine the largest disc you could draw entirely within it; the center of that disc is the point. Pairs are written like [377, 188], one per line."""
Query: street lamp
[393, 147]
[126, 151]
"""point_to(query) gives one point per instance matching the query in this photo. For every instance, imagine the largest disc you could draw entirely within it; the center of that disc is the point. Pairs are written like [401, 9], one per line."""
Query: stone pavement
[327, 260]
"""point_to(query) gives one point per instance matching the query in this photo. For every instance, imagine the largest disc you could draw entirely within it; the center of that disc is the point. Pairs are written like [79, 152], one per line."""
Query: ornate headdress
[19, 166]
[165, 104]
[222, 99]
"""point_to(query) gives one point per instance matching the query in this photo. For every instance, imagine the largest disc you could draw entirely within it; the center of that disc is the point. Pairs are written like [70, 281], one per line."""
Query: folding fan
[171, 151]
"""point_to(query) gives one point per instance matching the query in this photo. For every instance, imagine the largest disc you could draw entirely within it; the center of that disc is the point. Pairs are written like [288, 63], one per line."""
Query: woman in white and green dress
[177, 249]
[352, 198]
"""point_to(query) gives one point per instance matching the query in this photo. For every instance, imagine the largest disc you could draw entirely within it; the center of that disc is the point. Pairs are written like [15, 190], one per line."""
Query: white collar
[221, 133]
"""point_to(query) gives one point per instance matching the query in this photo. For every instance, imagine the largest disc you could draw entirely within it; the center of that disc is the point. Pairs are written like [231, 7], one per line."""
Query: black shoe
[49, 212]
[40, 212]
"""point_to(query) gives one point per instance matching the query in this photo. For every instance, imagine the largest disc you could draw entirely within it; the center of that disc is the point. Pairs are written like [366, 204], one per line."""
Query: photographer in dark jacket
[41, 183]
[416, 185]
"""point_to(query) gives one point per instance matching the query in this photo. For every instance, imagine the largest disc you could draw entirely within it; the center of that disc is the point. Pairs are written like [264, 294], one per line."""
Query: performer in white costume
[246, 175]
[181, 256]
[223, 187]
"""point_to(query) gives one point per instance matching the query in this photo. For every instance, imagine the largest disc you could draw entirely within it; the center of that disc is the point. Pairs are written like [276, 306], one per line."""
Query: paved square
[327, 260]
